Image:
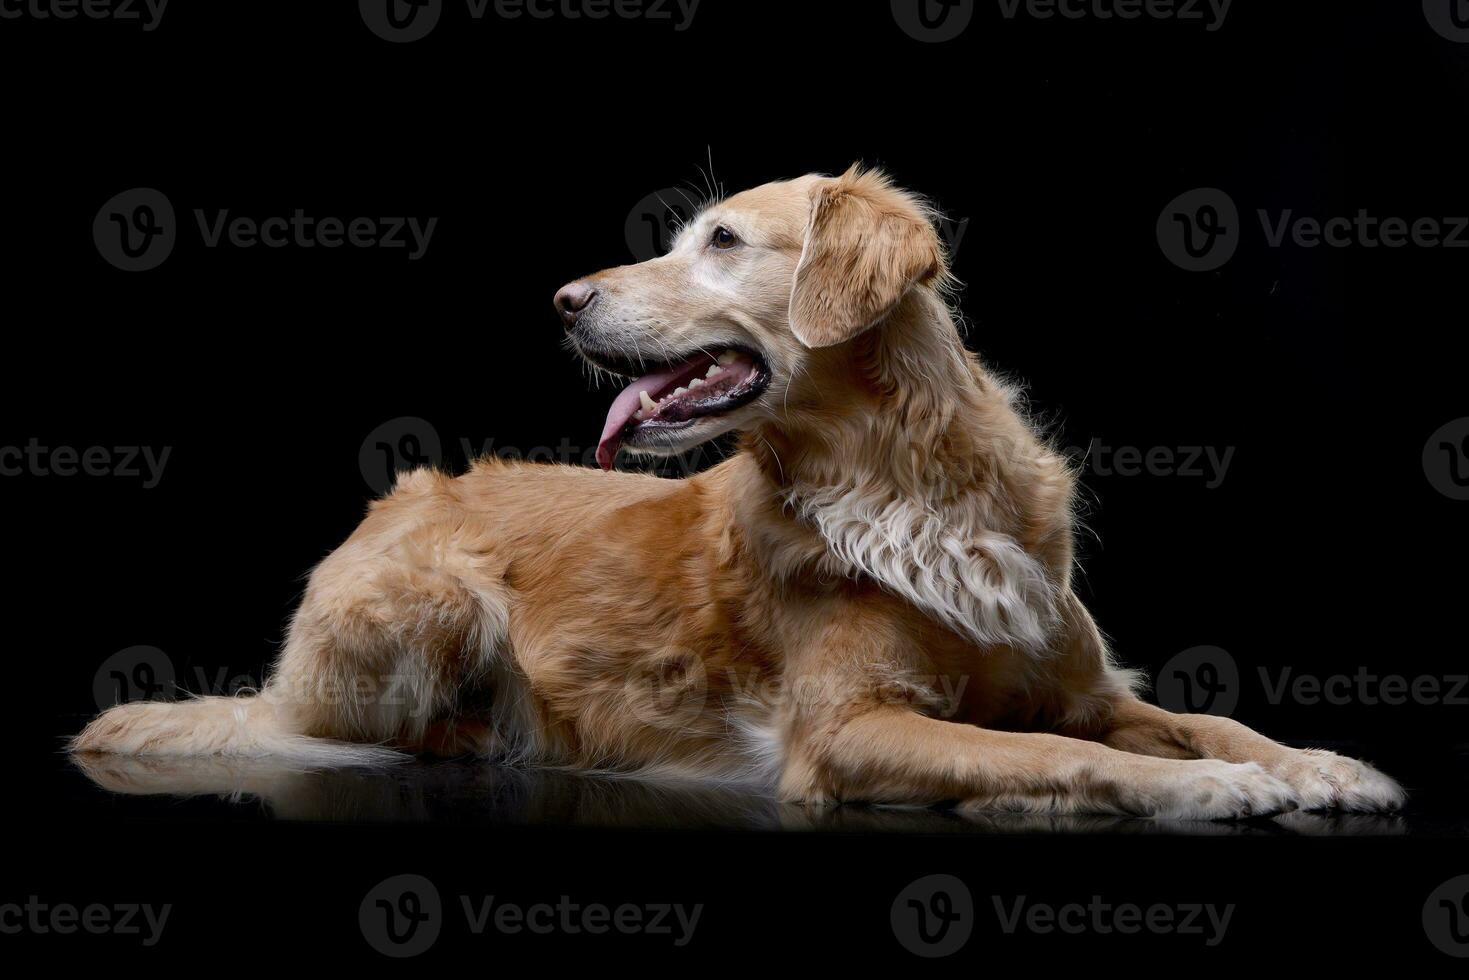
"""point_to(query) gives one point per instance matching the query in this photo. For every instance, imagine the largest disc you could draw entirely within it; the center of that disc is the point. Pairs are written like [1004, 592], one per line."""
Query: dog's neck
[924, 477]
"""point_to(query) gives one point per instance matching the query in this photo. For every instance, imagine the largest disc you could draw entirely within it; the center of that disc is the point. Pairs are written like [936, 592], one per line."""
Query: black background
[1325, 549]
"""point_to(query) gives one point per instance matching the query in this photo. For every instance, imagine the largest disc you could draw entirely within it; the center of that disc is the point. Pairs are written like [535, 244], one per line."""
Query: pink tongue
[626, 406]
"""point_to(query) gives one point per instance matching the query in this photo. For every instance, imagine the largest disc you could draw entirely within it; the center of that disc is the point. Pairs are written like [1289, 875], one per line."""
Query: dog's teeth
[728, 358]
[648, 404]
[713, 370]
[696, 382]
[640, 416]
[680, 391]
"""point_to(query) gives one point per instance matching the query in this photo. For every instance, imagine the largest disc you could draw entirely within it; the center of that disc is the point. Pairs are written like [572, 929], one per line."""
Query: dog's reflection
[482, 792]
[441, 791]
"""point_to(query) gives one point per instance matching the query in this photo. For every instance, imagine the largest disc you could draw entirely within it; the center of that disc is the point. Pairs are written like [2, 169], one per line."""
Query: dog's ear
[867, 244]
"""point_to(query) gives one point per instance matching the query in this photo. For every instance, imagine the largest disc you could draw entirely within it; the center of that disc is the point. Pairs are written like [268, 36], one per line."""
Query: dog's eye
[723, 238]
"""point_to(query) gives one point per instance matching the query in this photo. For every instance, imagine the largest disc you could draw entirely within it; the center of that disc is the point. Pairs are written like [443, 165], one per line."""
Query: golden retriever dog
[871, 601]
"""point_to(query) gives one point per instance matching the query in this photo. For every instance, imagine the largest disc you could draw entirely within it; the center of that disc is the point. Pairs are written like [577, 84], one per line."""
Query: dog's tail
[247, 726]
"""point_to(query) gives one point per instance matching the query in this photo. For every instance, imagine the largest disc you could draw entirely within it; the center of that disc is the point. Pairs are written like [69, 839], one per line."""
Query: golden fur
[871, 601]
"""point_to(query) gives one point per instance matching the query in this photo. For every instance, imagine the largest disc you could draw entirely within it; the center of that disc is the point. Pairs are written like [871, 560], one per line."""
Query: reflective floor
[482, 793]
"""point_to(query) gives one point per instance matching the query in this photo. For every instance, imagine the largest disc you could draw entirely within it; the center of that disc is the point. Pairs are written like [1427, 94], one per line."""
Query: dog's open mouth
[675, 395]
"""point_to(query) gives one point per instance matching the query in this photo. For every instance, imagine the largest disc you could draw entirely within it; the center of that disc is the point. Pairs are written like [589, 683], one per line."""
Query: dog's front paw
[1209, 789]
[1327, 781]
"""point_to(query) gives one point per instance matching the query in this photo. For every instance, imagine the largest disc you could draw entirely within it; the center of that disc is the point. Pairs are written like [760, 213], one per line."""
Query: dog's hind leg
[393, 625]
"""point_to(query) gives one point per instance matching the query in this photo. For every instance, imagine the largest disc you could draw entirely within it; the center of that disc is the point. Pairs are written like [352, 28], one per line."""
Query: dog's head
[727, 327]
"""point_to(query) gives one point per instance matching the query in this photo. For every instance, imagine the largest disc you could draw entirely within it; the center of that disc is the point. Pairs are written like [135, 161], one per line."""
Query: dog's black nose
[572, 300]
